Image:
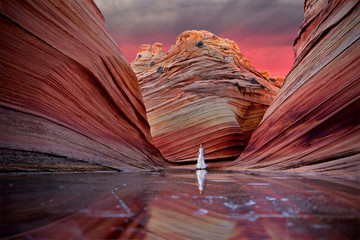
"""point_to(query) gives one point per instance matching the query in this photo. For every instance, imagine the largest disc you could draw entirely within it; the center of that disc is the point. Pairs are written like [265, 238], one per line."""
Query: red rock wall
[69, 99]
[202, 91]
[313, 124]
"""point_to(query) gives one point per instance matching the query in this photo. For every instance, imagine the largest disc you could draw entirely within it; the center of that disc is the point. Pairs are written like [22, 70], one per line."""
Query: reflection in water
[150, 206]
[201, 179]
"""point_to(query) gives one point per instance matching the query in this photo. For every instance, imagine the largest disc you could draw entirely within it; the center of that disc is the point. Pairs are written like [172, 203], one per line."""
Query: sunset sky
[263, 29]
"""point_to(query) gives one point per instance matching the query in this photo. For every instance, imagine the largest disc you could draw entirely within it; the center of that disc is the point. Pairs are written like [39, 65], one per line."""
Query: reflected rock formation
[202, 91]
[144, 206]
[313, 124]
[200, 174]
[69, 100]
[254, 207]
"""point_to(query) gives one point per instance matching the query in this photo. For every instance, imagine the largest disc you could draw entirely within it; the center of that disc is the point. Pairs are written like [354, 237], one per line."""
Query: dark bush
[253, 80]
[152, 63]
[240, 88]
[139, 56]
[160, 70]
[200, 44]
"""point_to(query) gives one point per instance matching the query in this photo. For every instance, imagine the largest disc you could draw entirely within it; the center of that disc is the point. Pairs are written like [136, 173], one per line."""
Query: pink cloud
[130, 46]
[263, 29]
[277, 59]
[268, 52]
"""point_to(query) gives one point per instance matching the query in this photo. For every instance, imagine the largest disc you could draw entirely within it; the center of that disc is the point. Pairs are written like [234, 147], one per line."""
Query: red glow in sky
[264, 30]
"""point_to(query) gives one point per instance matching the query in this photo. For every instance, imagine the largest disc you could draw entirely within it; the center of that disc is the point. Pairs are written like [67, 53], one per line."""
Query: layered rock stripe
[203, 90]
[313, 124]
[69, 100]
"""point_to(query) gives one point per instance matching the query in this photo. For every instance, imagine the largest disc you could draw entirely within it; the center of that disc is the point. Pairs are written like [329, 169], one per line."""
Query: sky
[264, 30]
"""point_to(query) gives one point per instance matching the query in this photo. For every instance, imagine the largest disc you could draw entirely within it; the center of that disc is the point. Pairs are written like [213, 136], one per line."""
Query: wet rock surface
[168, 204]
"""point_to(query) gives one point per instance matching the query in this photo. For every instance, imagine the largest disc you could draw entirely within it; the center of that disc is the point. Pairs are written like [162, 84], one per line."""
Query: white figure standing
[200, 161]
[201, 178]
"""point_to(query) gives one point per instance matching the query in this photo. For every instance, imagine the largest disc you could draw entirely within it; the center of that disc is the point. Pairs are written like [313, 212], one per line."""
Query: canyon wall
[313, 124]
[69, 100]
[202, 91]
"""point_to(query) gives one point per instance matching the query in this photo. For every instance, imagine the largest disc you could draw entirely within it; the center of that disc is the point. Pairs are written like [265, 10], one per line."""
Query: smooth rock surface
[168, 205]
[313, 124]
[202, 91]
[69, 100]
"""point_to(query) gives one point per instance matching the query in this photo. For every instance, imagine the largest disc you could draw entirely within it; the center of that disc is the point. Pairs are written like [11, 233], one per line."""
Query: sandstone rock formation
[313, 124]
[69, 99]
[202, 91]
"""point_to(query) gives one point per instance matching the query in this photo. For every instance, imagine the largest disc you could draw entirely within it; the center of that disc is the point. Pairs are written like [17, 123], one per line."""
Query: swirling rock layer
[313, 124]
[202, 91]
[69, 99]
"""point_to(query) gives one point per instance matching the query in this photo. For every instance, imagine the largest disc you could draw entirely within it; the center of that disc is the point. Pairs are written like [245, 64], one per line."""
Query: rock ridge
[203, 90]
[67, 92]
[313, 124]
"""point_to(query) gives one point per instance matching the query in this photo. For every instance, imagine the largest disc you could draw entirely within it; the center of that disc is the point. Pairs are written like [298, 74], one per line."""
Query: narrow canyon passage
[95, 147]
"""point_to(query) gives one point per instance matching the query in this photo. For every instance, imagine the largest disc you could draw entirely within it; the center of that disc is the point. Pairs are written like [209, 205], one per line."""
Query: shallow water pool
[178, 204]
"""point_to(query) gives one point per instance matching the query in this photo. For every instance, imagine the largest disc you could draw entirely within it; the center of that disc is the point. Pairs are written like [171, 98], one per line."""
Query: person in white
[201, 178]
[200, 161]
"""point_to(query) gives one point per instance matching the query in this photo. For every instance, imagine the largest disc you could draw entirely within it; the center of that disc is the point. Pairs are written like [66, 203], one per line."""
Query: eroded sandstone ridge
[69, 99]
[203, 90]
[313, 124]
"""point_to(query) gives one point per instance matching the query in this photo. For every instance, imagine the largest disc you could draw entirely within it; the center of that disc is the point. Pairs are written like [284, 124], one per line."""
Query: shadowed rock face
[69, 99]
[202, 91]
[313, 124]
